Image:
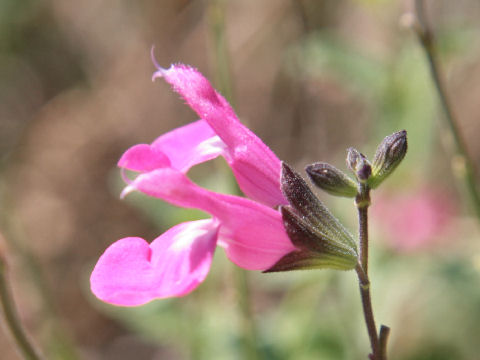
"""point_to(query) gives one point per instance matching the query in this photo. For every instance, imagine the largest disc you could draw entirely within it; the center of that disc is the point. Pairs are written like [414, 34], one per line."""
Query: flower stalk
[378, 341]
[383, 338]
[426, 39]
[24, 345]
[364, 283]
[362, 202]
[248, 326]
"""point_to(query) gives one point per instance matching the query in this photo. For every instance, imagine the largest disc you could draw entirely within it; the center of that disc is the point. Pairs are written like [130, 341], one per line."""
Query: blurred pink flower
[415, 220]
[131, 271]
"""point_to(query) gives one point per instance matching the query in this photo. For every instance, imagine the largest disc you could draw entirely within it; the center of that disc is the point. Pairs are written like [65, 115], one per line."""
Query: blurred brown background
[76, 92]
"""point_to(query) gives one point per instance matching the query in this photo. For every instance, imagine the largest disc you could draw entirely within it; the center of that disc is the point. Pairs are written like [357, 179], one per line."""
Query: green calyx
[331, 180]
[320, 239]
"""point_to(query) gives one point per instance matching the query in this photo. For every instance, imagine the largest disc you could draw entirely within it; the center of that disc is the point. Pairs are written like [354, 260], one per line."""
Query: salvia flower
[133, 272]
[261, 232]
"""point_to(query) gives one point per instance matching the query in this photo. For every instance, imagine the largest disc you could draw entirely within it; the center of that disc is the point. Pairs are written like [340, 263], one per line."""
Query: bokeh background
[311, 78]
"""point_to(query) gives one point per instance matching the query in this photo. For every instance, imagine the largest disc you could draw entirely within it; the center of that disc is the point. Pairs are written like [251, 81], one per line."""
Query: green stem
[59, 344]
[249, 330]
[221, 59]
[224, 84]
[426, 39]
[8, 305]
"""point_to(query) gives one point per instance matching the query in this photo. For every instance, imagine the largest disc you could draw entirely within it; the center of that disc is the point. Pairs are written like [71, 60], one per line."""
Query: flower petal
[256, 178]
[255, 166]
[251, 233]
[131, 272]
[143, 157]
[180, 148]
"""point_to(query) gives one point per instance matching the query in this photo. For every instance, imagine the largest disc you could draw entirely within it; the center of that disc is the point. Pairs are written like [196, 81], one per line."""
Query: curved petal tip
[128, 189]
[160, 70]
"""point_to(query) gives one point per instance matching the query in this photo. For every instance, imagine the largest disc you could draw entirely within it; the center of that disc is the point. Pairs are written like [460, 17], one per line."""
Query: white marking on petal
[196, 231]
[211, 145]
[128, 189]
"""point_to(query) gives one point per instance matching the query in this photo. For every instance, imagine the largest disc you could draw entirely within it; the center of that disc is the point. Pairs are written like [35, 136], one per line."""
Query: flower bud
[390, 153]
[359, 164]
[331, 180]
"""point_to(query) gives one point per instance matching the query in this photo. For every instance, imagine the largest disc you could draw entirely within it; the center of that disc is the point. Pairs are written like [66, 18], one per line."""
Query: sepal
[331, 179]
[310, 208]
[320, 240]
[306, 260]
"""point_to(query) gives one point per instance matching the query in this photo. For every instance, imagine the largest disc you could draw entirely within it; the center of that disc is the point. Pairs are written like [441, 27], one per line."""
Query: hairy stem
[377, 344]
[8, 305]
[368, 312]
[426, 39]
[363, 237]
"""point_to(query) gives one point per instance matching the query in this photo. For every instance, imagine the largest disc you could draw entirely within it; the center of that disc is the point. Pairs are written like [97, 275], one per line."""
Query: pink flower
[131, 271]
